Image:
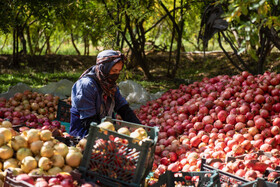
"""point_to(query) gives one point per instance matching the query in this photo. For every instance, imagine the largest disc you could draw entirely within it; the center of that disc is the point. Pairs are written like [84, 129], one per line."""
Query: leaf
[252, 53]
[247, 29]
[254, 6]
[261, 2]
[275, 2]
[254, 20]
[244, 10]
[241, 50]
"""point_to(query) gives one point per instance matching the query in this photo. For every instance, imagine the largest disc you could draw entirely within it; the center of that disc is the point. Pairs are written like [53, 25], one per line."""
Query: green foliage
[35, 80]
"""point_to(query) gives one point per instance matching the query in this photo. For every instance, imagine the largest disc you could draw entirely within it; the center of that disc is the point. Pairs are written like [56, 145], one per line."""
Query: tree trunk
[137, 45]
[264, 50]
[15, 48]
[74, 45]
[59, 46]
[171, 44]
[48, 48]
[40, 51]
[178, 54]
[6, 37]
[29, 42]
[179, 42]
[37, 47]
[141, 61]
[22, 39]
[86, 46]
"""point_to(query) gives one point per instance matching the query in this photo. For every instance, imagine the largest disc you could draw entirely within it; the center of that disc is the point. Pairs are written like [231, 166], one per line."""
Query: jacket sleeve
[127, 114]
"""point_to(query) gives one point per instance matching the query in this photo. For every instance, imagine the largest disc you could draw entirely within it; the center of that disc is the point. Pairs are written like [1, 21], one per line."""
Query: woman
[96, 95]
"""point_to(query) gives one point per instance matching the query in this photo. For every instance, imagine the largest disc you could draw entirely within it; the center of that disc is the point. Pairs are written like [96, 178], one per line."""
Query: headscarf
[104, 62]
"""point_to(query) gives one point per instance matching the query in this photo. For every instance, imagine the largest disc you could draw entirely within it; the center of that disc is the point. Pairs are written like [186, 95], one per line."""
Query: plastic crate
[268, 171]
[66, 124]
[241, 157]
[259, 183]
[10, 179]
[225, 177]
[206, 179]
[118, 163]
[63, 111]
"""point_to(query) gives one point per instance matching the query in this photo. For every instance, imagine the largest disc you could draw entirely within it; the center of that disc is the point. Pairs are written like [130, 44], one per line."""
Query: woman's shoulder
[87, 82]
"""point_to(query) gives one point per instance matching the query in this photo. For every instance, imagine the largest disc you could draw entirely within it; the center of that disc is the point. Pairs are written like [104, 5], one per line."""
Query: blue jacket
[87, 101]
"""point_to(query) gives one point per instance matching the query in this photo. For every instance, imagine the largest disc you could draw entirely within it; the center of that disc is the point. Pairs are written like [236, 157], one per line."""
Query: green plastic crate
[206, 179]
[66, 124]
[63, 112]
[114, 163]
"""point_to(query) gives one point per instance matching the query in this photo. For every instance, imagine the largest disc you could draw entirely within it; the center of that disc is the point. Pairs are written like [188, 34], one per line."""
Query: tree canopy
[137, 27]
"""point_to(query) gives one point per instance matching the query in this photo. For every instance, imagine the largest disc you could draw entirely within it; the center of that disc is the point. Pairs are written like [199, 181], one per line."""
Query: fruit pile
[36, 152]
[216, 118]
[60, 179]
[31, 110]
[139, 133]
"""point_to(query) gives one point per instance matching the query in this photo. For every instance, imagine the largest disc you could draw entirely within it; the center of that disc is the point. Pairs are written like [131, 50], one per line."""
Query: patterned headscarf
[104, 62]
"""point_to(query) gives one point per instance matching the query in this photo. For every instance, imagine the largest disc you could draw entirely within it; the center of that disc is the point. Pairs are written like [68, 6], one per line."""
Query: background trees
[138, 27]
[252, 33]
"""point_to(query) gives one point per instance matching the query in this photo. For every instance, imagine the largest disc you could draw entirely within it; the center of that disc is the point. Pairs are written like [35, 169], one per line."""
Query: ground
[194, 65]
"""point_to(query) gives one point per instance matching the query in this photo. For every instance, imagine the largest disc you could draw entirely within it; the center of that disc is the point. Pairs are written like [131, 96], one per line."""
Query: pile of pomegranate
[216, 118]
[36, 152]
[31, 110]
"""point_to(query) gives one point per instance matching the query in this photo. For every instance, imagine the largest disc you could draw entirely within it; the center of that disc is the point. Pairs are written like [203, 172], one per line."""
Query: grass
[33, 79]
[37, 80]
[193, 68]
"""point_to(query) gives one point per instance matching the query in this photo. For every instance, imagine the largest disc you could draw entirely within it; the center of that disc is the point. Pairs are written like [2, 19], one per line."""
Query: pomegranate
[61, 149]
[6, 152]
[28, 163]
[44, 163]
[47, 151]
[73, 158]
[22, 153]
[26, 178]
[57, 160]
[54, 170]
[18, 142]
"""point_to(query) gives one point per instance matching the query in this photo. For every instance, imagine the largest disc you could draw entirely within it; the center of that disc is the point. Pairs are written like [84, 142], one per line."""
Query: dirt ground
[192, 64]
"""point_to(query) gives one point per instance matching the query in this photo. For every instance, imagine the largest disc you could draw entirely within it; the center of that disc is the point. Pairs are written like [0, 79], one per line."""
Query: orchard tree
[130, 18]
[253, 30]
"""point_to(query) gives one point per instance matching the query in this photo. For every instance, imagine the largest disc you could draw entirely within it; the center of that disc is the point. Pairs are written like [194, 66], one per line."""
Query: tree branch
[235, 51]
[170, 16]
[226, 53]
[272, 35]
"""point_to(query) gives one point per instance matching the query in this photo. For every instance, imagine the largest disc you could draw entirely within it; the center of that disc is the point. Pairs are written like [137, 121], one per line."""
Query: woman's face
[116, 69]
